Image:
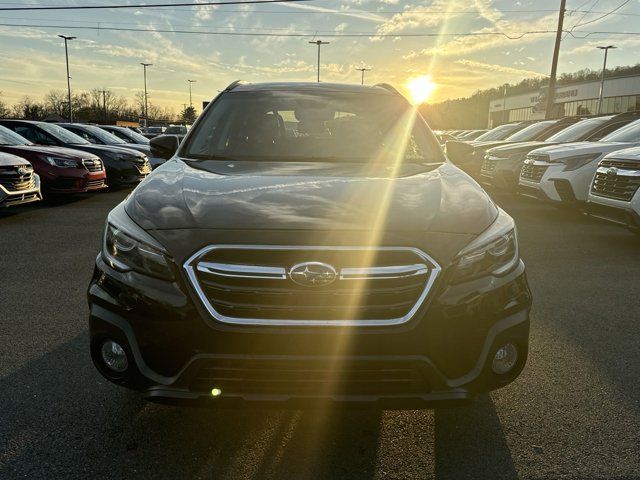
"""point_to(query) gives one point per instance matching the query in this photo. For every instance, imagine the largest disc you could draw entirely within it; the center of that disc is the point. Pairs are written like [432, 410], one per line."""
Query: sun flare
[420, 89]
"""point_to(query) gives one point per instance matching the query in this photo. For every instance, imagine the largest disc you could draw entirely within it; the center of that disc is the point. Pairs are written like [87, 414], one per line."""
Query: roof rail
[233, 85]
[388, 87]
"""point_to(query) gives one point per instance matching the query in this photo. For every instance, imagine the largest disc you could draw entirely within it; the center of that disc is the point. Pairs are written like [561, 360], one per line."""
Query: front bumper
[616, 211]
[175, 356]
[504, 174]
[82, 182]
[9, 198]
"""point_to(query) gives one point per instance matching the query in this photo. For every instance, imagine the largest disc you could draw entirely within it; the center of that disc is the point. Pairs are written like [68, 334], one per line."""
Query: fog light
[216, 392]
[505, 359]
[114, 356]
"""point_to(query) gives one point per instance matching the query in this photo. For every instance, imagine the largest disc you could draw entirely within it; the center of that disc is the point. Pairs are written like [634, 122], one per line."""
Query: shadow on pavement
[60, 419]
[470, 444]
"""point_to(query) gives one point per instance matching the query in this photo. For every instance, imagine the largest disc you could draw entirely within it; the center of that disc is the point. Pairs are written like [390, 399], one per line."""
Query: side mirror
[164, 146]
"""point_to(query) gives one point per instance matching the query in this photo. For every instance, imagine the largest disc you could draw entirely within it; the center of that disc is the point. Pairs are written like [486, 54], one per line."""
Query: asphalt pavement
[574, 413]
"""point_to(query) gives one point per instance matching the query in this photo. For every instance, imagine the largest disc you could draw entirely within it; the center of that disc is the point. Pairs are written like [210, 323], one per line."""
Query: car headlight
[577, 161]
[127, 247]
[61, 162]
[493, 252]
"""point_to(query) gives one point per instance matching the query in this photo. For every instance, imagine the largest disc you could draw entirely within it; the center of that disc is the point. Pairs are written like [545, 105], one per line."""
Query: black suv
[309, 242]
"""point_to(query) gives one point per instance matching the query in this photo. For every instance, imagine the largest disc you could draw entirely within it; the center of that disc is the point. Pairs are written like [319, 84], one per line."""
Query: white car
[563, 173]
[615, 190]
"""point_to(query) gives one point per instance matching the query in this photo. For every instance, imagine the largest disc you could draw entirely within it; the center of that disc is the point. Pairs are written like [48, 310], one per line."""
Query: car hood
[632, 153]
[146, 149]
[309, 196]
[10, 160]
[106, 149]
[515, 148]
[57, 151]
[580, 148]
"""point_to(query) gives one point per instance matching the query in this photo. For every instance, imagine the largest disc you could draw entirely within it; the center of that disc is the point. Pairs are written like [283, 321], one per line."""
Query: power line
[603, 16]
[145, 5]
[510, 36]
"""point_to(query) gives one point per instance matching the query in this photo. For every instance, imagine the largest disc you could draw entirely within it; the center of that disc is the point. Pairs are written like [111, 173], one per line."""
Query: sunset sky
[32, 58]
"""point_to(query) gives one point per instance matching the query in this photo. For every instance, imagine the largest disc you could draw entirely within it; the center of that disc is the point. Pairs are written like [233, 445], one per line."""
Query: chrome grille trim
[430, 268]
[242, 271]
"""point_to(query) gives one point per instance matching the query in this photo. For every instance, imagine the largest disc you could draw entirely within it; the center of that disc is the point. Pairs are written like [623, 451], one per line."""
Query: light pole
[146, 113]
[319, 43]
[604, 69]
[362, 70]
[190, 100]
[66, 54]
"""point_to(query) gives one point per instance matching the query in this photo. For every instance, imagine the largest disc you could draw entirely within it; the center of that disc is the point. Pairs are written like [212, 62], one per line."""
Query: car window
[9, 137]
[532, 132]
[603, 132]
[63, 135]
[120, 135]
[34, 134]
[302, 126]
[81, 133]
[498, 133]
[578, 130]
[630, 133]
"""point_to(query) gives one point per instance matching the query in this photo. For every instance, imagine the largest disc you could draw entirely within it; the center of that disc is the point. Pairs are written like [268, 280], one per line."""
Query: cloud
[472, 64]
[488, 38]
[440, 12]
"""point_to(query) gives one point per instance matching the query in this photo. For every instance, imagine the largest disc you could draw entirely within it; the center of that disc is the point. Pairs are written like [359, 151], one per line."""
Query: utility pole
[104, 104]
[146, 110]
[190, 100]
[504, 103]
[66, 54]
[319, 43]
[554, 63]
[604, 69]
[362, 70]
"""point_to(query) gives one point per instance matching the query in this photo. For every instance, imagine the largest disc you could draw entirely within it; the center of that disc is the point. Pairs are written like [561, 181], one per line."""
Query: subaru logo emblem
[612, 171]
[22, 171]
[313, 274]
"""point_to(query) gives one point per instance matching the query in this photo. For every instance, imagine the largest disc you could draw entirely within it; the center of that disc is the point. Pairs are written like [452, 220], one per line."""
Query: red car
[61, 170]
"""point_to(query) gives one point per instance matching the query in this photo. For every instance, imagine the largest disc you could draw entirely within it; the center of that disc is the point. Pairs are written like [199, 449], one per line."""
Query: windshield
[105, 137]
[578, 130]
[532, 132]
[154, 129]
[62, 134]
[135, 136]
[498, 133]
[313, 126]
[630, 133]
[8, 137]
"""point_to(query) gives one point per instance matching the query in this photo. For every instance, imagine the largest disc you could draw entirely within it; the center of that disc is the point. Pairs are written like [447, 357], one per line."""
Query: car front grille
[294, 285]
[488, 166]
[533, 173]
[92, 165]
[304, 376]
[16, 178]
[616, 179]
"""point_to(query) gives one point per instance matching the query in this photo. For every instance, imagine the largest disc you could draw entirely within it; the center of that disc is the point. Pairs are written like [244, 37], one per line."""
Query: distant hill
[472, 112]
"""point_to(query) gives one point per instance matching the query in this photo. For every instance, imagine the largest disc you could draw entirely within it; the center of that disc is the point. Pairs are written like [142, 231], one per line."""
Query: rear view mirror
[164, 146]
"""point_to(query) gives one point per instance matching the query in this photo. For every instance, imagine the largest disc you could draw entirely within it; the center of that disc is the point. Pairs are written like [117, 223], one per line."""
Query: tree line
[93, 106]
[472, 112]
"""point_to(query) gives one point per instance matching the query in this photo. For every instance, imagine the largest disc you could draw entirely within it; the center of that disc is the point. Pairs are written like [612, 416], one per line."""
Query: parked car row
[65, 159]
[588, 163]
[445, 135]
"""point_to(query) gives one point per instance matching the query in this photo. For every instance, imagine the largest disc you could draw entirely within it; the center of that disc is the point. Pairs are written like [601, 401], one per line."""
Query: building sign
[567, 94]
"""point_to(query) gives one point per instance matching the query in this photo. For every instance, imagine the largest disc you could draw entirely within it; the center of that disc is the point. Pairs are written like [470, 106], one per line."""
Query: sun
[420, 89]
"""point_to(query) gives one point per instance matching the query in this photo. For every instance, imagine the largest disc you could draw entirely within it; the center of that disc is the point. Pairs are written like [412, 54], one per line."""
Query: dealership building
[620, 94]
